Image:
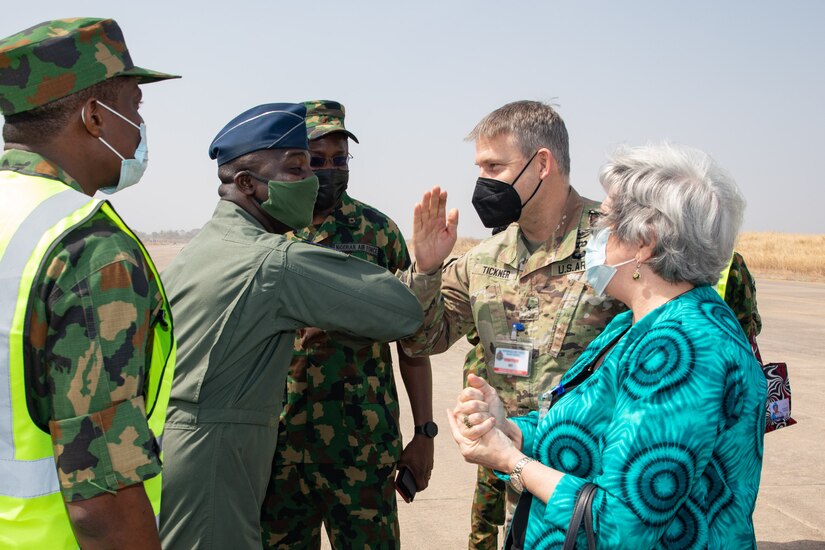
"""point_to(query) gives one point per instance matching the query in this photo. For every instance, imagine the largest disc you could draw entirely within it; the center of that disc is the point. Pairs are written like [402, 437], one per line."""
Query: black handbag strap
[518, 525]
[582, 510]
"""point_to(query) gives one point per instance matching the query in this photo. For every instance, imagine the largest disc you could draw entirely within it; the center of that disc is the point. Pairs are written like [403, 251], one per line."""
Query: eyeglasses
[337, 162]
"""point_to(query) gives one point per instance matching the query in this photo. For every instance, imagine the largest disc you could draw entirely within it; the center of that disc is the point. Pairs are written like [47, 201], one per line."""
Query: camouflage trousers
[492, 498]
[356, 504]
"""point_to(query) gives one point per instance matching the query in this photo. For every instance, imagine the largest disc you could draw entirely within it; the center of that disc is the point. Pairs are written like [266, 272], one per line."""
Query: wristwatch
[427, 429]
[515, 475]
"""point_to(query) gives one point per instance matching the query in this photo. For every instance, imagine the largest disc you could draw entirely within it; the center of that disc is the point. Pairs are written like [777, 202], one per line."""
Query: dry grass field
[784, 256]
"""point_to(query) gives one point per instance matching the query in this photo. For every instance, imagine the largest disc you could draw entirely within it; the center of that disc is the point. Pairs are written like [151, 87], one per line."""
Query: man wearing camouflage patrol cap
[523, 290]
[85, 328]
[339, 440]
[239, 291]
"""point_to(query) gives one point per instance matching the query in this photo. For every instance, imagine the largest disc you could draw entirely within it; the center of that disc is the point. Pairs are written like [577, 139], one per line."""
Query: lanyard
[551, 397]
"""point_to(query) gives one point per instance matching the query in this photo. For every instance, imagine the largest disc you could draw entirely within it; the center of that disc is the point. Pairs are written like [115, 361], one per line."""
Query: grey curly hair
[679, 197]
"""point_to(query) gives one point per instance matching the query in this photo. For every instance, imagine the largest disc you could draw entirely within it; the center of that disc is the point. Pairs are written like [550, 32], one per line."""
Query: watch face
[430, 429]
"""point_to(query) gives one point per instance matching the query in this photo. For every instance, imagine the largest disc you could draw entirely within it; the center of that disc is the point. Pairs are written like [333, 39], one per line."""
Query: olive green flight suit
[238, 293]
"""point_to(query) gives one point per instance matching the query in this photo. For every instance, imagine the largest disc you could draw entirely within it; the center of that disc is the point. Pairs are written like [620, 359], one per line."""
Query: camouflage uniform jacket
[341, 404]
[498, 283]
[89, 348]
[740, 295]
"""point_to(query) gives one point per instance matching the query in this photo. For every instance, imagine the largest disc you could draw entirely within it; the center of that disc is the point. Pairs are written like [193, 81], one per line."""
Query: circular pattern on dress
[719, 495]
[568, 447]
[655, 479]
[661, 362]
[733, 396]
[551, 537]
[686, 528]
[721, 316]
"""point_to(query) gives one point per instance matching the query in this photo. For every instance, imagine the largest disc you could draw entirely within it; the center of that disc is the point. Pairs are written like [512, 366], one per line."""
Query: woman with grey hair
[661, 418]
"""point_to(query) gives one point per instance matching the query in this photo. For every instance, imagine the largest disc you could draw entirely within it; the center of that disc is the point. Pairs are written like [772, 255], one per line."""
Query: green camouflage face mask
[290, 202]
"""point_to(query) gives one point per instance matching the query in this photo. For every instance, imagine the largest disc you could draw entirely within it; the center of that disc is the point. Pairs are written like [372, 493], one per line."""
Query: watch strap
[421, 429]
[515, 475]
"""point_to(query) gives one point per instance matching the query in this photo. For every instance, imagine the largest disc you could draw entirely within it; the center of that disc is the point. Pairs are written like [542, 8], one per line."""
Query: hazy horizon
[736, 79]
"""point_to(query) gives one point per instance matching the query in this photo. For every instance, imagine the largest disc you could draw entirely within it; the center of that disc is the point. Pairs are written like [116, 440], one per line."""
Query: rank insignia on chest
[496, 272]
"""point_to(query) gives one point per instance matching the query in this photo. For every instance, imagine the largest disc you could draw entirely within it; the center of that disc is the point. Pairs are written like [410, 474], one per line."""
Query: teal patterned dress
[669, 428]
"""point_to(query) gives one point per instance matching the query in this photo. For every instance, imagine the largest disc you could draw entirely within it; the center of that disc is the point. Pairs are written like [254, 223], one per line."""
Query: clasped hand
[479, 425]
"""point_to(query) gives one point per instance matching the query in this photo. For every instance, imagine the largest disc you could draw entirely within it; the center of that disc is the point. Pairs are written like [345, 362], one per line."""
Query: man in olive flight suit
[240, 290]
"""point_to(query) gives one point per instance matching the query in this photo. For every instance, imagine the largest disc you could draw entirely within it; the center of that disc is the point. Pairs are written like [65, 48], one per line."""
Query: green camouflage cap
[58, 58]
[325, 117]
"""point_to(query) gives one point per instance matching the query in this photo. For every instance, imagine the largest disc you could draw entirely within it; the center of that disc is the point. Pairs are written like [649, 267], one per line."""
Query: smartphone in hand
[405, 484]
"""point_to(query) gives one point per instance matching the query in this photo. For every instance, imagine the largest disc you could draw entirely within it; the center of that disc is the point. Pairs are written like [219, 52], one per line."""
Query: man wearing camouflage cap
[523, 289]
[239, 290]
[85, 329]
[339, 440]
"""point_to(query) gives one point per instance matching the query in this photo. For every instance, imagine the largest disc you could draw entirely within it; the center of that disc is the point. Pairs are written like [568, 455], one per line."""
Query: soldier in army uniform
[338, 439]
[85, 335]
[740, 295]
[523, 290]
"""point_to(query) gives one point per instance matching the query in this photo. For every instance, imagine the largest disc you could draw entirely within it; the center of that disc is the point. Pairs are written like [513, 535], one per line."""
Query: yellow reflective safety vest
[722, 284]
[35, 214]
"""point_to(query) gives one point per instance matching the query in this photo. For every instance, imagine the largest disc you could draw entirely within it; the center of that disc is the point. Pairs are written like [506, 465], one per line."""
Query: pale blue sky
[743, 81]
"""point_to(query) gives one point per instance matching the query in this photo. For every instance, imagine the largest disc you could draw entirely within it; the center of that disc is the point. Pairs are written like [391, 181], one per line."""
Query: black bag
[582, 510]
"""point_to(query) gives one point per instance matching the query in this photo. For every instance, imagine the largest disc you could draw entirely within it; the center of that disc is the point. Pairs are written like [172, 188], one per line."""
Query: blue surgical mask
[597, 272]
[131, 170]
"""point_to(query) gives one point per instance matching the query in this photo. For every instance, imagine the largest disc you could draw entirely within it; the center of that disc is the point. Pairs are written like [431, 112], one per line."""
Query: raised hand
[434, 230]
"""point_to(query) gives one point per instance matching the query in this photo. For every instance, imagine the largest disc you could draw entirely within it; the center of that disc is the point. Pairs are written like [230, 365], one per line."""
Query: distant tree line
[167, 235]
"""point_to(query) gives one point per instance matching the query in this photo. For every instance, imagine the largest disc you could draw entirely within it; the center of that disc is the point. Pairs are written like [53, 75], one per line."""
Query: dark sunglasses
[337, 162]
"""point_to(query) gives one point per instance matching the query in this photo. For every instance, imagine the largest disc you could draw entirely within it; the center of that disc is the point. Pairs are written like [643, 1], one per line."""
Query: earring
[637, 274]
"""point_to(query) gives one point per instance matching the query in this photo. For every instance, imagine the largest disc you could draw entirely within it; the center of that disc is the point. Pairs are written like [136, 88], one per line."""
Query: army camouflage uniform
[338, 437]
[740, 295]
[499, 283]
[89, 350]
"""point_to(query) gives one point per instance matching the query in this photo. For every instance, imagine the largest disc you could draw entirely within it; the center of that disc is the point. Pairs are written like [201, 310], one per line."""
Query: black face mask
[498, 203]
[331, 185]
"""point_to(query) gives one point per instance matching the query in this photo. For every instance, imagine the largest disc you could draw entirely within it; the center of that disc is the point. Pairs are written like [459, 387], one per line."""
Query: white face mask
[131, 170]
[597, 272]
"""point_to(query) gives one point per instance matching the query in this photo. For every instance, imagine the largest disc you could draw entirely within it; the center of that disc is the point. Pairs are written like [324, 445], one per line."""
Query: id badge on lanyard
[514, 355]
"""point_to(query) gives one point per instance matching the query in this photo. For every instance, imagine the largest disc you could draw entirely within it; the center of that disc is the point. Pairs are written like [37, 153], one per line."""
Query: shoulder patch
[349, 248]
